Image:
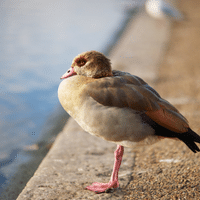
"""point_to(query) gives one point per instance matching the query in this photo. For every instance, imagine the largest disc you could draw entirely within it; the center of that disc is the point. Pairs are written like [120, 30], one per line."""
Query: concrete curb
[76, 160]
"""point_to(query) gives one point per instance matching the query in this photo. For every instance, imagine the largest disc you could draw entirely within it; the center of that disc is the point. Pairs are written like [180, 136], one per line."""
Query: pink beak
[70, 72]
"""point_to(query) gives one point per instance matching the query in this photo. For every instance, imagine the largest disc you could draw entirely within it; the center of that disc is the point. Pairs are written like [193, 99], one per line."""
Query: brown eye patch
[80, 61]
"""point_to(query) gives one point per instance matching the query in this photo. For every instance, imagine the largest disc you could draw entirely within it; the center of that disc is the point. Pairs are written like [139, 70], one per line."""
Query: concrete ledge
[76, 160]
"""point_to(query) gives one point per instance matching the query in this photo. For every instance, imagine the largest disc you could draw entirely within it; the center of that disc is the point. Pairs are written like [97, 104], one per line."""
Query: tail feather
[189, 138]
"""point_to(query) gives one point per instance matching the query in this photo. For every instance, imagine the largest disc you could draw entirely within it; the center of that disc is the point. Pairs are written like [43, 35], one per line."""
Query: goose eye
[80, 61]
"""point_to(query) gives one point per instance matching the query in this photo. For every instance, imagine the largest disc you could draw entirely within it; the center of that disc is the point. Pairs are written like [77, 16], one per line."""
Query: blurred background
[38, 41]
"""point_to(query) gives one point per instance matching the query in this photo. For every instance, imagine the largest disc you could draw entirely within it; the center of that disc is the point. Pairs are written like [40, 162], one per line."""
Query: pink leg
[113, 183]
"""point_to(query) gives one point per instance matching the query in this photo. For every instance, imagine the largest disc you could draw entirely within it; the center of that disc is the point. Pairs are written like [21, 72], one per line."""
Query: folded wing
[132, 92]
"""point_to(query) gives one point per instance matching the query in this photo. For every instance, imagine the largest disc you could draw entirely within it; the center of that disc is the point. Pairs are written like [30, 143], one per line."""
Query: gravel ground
[168, 169]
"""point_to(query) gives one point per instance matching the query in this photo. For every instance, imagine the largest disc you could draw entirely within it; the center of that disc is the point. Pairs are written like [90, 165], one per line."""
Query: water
[38, 40]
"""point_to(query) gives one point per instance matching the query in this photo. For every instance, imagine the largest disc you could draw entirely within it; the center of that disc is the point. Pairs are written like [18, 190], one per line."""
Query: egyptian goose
[120, 108]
